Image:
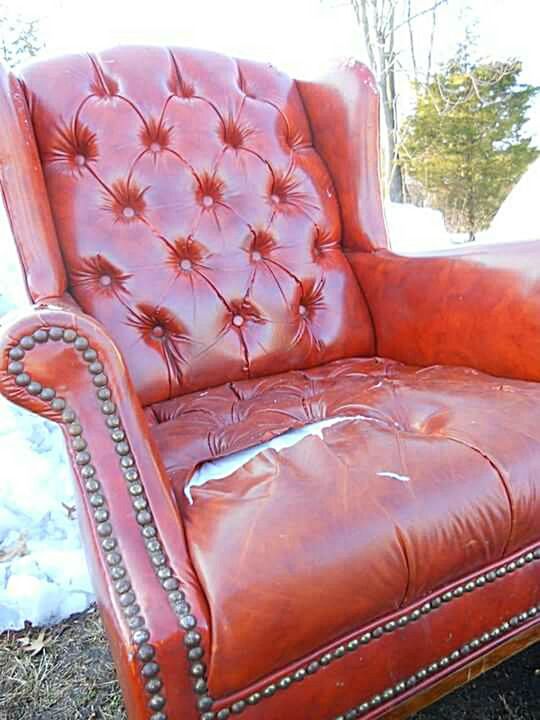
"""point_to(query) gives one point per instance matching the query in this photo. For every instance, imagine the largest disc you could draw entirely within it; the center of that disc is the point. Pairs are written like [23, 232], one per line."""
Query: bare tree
[381, 23]
[19, 37]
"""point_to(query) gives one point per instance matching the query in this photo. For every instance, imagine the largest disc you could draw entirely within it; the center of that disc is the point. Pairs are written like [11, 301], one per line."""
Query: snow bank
[517, 218]
[43, 575]
[414, 229]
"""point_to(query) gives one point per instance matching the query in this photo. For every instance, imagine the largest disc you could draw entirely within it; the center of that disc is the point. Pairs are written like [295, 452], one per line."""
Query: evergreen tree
[466, 144]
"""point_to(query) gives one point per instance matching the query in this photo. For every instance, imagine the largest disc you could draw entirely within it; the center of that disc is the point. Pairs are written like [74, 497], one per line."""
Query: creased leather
[477, 306]
[438, 479]
[222, 225]
[196, 219]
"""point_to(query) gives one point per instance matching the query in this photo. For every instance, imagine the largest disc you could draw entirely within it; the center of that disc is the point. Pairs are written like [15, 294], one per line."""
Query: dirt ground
[66, 673]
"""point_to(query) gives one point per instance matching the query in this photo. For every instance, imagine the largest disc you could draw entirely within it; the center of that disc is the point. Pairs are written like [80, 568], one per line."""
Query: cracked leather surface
[438, 479]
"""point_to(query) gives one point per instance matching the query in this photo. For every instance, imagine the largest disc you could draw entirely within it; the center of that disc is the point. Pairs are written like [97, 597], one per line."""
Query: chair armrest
[477, 306]
[60, 363]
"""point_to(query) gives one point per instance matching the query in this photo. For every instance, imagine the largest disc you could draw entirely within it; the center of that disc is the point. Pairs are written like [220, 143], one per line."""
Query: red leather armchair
[204, 243]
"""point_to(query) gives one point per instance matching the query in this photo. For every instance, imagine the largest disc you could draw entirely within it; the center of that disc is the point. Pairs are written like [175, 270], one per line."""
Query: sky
[300, 36]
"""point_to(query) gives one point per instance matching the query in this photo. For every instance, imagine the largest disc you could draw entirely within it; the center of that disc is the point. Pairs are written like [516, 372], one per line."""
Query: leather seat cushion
[437, 480]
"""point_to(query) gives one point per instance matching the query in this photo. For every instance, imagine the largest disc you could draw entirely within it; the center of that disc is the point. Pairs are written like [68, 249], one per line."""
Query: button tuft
[207, 201]
[128, 212]
[105, 280]
[238, 320]
[186, 264]
[158, 331]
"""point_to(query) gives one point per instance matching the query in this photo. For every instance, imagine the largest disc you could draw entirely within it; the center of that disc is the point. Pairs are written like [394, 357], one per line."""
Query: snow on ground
[415, 229]
[43, 575]
[516, 218]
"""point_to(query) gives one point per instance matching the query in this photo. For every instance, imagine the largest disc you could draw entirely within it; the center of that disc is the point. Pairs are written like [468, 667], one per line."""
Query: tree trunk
[394, 174]
[396, 183]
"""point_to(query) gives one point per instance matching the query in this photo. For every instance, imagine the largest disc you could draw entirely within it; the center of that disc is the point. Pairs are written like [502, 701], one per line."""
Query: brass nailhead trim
[391, 626]
[140, 634]
[395, 690]
[171, 585]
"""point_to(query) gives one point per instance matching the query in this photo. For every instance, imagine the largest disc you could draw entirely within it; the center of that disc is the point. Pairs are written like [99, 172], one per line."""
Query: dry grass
[72, 677]
[66, 673]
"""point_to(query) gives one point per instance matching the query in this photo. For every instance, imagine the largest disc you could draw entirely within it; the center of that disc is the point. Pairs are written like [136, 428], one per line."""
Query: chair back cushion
[196, 220]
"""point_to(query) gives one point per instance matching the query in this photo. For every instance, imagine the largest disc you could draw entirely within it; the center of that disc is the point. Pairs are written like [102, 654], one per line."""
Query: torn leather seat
[204, 244]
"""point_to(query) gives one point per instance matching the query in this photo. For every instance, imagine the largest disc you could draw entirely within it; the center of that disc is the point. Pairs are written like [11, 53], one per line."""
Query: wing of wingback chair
[204, 245]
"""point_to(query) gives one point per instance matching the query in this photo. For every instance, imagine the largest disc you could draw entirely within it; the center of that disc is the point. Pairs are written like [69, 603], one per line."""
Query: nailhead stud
[197, 669]
[135, 622]
[81, 343]
[27, 342]
[34, 388]
[200, 686]
[143, 517]
[157, 702]
[192, 638]
[108, 543]
[40, 336]
[153, 685]
[68, 415]
[146, 652]
[150, 669]
[205, 703]
[56, 333]
[188, 622]
[88, 471]
[90, 355]
[104, 393]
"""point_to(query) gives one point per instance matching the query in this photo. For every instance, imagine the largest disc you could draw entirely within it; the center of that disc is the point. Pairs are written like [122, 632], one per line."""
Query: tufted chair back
[194, 216]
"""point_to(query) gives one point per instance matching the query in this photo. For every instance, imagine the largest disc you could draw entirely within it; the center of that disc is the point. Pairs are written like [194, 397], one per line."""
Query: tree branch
[420, 13]
[361, 11]
[431, 45]
[411, 39]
